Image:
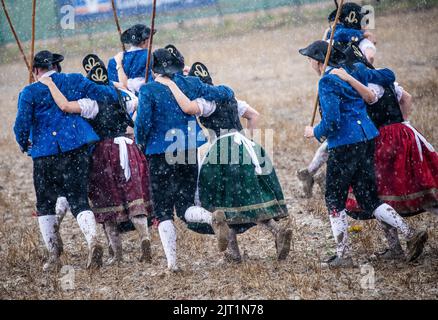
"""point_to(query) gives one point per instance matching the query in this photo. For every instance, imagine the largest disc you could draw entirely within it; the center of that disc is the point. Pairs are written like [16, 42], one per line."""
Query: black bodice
[112, 120]
[387, 110]
[223, 119]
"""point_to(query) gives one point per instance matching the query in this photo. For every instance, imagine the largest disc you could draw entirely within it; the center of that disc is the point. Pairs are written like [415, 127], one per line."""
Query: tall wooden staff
[327, 56]
[32, 45]
[20, 47]
[148, 61]
[116, 19]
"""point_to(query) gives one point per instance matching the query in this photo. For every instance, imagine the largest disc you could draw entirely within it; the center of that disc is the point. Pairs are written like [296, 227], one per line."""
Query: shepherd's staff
[151, 36]
[32, 45]
[20, 47]
[327, 56]
[116, 19]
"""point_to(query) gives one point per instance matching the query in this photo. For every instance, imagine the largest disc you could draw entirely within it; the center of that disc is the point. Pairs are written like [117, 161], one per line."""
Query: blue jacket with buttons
[134, 65]
[161, 126]
[344, 116]
[51, 130]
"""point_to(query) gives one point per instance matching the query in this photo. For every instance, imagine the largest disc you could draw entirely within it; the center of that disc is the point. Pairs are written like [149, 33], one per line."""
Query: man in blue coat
[59, 149]
[129, 68]
[170, 139]
[350, 134]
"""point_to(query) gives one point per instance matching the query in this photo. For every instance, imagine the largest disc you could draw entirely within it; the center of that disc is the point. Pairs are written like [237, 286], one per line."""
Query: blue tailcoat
[51, 130]
[344, 115]
[160, 121]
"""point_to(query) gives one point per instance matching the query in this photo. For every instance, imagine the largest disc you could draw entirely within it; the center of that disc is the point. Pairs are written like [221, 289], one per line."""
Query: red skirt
[407, 178]
[112, 197]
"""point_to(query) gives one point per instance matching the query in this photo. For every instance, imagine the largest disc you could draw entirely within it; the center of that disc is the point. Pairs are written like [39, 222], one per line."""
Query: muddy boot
[283, 237]
[307, 181]
[115, 242]
[232, 254]
[53, 263]
[319, 178]
[394, 250]
[283, 242]
[95, 255]
[141, 225]
[340, 262]
[415, 245]
[221, 229]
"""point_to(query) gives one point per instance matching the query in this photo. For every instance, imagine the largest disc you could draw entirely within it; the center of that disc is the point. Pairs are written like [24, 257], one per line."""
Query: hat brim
[320, 57]
[57, 58]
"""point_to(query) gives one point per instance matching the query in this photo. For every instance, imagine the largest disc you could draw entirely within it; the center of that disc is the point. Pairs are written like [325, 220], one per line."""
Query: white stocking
[87, 223]
[167, 232]
[198, 215]
[61, 208]
[387, 214]
[339, 225]
[320, 157]
[48, 228]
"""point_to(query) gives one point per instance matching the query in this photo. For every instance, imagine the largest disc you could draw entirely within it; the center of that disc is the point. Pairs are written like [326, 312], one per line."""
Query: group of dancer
[87, 160]
[121, 150]
[378, 165]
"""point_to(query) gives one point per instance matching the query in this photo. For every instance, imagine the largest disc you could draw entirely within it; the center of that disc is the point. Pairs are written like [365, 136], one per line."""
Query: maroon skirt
[406, 171]
[113, 198]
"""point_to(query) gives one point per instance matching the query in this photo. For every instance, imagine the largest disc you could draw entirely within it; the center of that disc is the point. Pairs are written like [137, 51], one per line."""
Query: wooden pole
[116, 19]
[327, 57]
[17, 40]
[151, 37]
[32, 45]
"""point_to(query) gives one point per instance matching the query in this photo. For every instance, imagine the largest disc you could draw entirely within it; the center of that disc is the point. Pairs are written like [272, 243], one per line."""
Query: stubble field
[264, 68]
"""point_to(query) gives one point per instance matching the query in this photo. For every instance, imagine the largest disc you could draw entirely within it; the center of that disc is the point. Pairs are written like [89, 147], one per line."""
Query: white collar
[134, 48]
[48, 73]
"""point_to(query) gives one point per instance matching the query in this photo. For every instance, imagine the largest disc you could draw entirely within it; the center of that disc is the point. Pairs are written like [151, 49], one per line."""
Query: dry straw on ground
[265, 69]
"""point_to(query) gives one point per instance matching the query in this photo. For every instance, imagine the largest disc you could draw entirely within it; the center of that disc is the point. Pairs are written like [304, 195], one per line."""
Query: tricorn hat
[136, 34]
[318, 50]
[199, 70]
[45, 59]
[166, 63]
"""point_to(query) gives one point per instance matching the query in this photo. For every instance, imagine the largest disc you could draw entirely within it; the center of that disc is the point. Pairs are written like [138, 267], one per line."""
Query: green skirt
[229, 181]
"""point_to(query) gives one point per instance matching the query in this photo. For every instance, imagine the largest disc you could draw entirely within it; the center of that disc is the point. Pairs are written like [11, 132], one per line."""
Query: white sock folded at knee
[198, 215]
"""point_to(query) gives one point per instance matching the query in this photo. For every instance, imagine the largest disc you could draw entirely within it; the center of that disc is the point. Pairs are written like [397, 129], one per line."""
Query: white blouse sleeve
[135, 84]
[378, 91]
[89, 108]
[398, 91]
[206, 108]
[131, 101]
[367, 44]
[242, 106]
